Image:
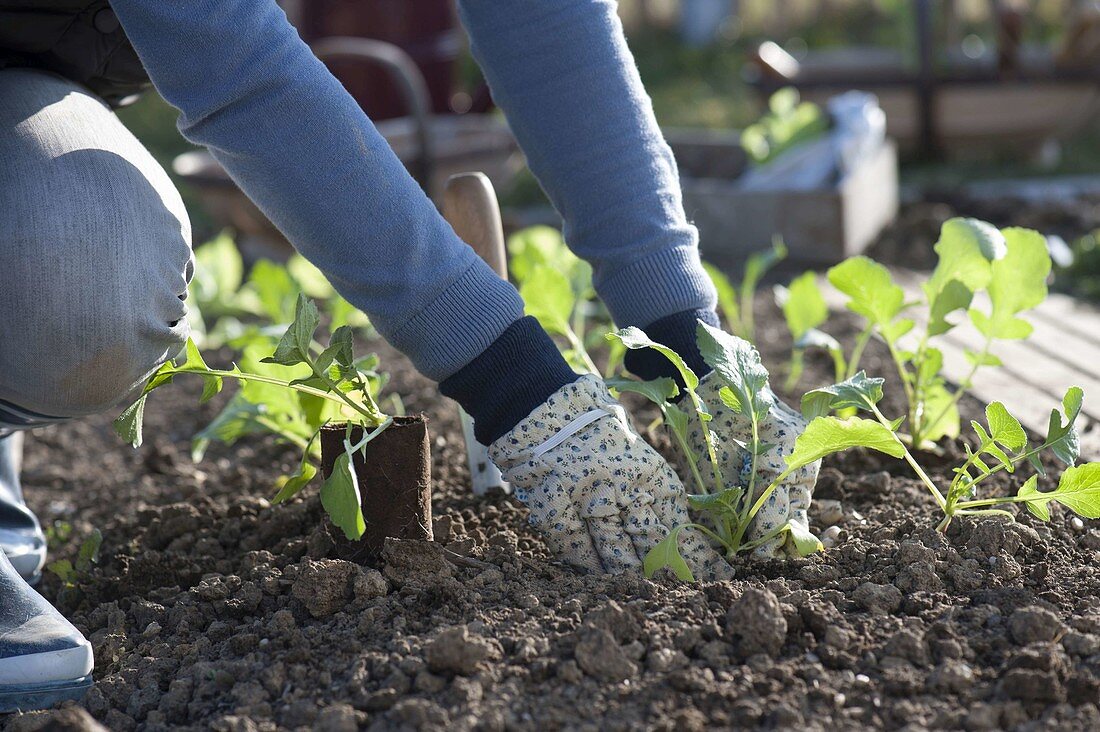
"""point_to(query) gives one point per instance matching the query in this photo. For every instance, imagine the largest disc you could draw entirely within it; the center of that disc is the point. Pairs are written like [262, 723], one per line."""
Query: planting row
[296, 386]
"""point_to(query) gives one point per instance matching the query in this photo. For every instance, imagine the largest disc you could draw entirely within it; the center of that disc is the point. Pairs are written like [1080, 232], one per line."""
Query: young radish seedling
[557, 288]
[291, 393]
[1002, 447]
[733, 503]
[229, 309]
[805, 310]
[738, 306]
[1009, 268]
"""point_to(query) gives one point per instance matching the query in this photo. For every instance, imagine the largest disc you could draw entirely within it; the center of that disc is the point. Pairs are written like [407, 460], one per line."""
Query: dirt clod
[877, 598]
[324, 586]
[1034, 625]
[755, 623]
[456, 651]
[599, 655]
[68, 719]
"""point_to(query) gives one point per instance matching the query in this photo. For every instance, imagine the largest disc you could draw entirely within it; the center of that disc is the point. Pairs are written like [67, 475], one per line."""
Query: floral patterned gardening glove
[780, 429]
[597, 491]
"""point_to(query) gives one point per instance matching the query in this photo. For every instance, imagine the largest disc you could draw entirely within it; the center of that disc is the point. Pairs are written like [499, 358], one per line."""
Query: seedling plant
[557, 288]
[730, 503]
[292, 392]
[737, 304]
[804, 310]
[988, 276]
[228, 308]
[1002, 446]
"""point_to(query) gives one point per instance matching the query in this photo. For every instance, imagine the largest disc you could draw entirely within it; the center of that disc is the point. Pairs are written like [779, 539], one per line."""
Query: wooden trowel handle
[470, 206]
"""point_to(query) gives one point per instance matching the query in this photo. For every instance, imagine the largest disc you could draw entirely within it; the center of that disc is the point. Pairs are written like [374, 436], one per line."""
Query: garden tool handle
[470, 206]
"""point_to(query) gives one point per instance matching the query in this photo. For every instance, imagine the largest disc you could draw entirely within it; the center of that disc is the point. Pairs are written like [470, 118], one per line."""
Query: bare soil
[212, 609]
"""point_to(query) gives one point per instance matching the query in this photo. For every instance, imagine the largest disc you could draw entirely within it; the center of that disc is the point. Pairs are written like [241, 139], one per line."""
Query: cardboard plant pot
[395, 482]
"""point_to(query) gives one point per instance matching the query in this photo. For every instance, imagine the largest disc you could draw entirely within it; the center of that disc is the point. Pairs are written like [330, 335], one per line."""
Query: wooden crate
[820, 226]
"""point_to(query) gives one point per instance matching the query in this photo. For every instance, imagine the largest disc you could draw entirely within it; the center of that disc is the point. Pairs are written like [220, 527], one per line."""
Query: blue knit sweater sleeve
[563, 74]
[249, 89]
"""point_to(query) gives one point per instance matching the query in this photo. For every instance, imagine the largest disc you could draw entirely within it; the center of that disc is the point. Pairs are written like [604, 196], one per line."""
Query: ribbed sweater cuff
[463, 321]
[669, 282]
[678, 332]
[517, 373]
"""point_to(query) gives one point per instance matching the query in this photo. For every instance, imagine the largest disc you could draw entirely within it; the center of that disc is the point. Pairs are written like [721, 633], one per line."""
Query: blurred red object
[427, 30]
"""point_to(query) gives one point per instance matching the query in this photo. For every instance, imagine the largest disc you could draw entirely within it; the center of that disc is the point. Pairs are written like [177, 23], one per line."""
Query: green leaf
[667, 554]
[870, 289]
[1005, 429]
[729, 398]
[966, 249]
[982, 359]
[677, 421]
[211, 384]
[341, 499]
[1036, 502]
[859, 392]
[758, 264]
[218, 273]
[289, 486]
[311, 280]
[1063, 439]
[634, 339]
[720, 502]
[270, 292]
[549, 298]
[1078, 490]
[736, 363]
[803, 304]
[294, 346]
[89, 550]
[892, 332]
[802, 539]
[538, 246]
[939, 405]
[341, 351]
[1037, 463]
[63, 569]
[826, 435]
[954, 296]
[237, 419]
[1018, 283]
[657, 391]
[727, 295]
[128, 425]
[815, 338]
[929, 367]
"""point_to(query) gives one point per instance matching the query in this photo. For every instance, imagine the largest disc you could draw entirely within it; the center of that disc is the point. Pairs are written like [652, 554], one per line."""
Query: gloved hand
[598, 492]
[781, 427]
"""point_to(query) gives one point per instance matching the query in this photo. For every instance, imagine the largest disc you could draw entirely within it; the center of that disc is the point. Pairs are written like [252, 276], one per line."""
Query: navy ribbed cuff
[676, 331]
[516, 373]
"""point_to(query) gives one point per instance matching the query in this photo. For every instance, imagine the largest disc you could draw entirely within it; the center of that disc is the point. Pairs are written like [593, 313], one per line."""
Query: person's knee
[94, 257]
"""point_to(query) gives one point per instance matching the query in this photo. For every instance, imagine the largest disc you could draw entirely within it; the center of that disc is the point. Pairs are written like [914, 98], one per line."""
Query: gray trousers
[95, 255]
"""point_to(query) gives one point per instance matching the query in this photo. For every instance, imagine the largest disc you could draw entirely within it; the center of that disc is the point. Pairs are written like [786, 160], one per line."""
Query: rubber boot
[44, 660]
[21, 537]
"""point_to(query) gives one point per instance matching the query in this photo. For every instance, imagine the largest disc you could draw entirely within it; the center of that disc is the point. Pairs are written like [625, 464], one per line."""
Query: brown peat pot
[395, 481]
